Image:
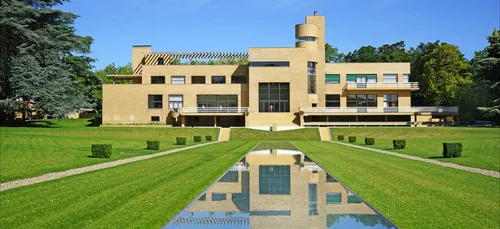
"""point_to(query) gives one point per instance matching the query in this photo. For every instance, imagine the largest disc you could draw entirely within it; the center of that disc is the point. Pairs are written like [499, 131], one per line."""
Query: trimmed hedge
[197, 138]
[181, 140]
[452, 149]
[208, 137]
[153, 145]
[102, 150]
[340, 137]
[352, 138]
[399, 144]
[370, 141]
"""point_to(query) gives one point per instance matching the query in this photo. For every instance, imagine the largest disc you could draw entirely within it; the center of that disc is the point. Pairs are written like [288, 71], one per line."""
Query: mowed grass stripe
[412, 194]
[145, 194]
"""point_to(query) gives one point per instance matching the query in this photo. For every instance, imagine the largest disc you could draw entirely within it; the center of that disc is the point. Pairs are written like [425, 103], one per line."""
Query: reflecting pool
[278, 188]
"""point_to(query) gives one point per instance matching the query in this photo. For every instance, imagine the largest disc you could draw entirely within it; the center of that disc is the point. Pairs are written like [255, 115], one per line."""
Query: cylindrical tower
[306, 36]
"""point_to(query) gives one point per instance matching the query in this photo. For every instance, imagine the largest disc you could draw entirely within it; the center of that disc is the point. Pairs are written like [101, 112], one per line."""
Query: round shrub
[208, 137]
[370, 141]
[153, 145]
[399, 144]
[181, 140]
[340, 137]
[352, 138]
[197, 138]
[102, 150]
[452, 149]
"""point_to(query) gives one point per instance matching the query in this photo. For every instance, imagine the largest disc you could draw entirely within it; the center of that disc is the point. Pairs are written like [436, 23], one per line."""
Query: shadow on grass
[53, 123]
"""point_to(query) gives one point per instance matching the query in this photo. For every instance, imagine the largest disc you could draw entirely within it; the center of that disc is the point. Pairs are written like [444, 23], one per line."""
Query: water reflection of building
[281, 189]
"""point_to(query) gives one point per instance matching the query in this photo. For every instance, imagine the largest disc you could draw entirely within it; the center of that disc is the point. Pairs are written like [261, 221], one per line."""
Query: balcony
[378, 110]
[382, 86]
[213, 110]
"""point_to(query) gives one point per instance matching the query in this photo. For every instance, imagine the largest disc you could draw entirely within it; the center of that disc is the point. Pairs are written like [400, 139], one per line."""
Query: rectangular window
[274, 97]
[155, 101]
[390, 78]
[197, 79]
[332, 78]
[155, 118]
[239, 80]
[274, 179]
[361, 78]
[311, 77]
[313, 199]
[230, 176]
[353, 199]
[178, 80]
[160, 61]
[218, 196]
[391, 100]
[219, 101]
[218, 79]
[333, 197]
[406, 78]
[157, 79]
[270, 64]
[332, 100]
[175, 102]
[361, 100]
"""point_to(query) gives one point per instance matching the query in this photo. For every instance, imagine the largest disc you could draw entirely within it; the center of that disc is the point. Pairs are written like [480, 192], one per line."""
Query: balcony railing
[380, 110]
[213, 110]
[410, 85]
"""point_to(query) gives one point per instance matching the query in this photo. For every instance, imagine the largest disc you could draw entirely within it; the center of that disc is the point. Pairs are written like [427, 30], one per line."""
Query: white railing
[213, 109]
[379, 109]
[410, 85]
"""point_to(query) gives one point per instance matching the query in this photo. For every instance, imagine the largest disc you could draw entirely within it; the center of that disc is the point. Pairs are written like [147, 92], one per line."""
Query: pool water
[278, 188]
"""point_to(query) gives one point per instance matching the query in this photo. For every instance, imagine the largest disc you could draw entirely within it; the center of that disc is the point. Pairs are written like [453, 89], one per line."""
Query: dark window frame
[269, 174]
[154, 102]
[332, 100]
[218, 81]
[160, 61]
[157, 79]
[361, 99]
[154, 117]
[236, 79]
[196, 80]
[269, 64]
[265, 100]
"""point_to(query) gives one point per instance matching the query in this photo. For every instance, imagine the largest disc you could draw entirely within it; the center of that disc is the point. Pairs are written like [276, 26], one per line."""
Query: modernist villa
[282, 87]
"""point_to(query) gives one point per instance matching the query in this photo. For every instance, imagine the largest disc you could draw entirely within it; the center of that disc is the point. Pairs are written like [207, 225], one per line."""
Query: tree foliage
[365, 54]
[42, 59]
[487, 66]
[332, 54]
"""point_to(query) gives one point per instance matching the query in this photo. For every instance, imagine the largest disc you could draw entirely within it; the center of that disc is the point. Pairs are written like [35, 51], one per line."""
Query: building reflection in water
[278, 189]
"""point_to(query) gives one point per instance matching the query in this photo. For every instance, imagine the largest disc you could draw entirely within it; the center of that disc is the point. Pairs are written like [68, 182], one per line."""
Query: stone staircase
[324, 133]
[224, 134]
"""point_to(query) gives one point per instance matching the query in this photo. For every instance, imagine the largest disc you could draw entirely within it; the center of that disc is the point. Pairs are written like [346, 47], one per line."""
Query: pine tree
[488, 69]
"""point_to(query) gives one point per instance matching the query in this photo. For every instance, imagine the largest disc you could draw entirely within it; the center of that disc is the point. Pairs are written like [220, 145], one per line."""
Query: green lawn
[32, 151]
[285, 135]
[143, 194]
[481, 145]
[412, 194]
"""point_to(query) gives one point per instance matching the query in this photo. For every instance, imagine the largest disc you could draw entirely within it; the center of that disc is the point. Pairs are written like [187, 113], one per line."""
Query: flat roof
[123, 76]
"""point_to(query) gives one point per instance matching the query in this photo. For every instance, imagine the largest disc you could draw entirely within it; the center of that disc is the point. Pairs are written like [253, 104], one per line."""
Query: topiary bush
[153, 145]
[452, 149]
[208, 137]
[352, 138]
[340, 137]
[102, 150]
[399, 144]
[181, 140]
[370, 141]
[197, 138]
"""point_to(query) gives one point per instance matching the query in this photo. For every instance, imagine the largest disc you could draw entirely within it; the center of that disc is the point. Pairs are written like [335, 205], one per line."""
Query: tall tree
[488, 70]
[332, 54]
[393, 53]
[42, 59]
[365, 54]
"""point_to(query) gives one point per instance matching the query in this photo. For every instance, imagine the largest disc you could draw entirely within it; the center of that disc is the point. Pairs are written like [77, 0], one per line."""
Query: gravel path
[485, 172]
[58, 175]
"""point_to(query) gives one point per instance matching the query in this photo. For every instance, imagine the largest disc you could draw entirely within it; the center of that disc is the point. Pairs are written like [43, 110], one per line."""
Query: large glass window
[218, 79]
[390, 78]
[406, 78]
[175, 102]
[361, 78]
[274, 97]
[230, 176]
[220, 101]
[239, 80]
[274, 179]
[157, 79]
[197, 79]
[155, 101]
[311, 77]
[313, 199]
[332, 100]
[178, 80]
[270, 64]
[391, 100]
[361, 100]
[332, 78]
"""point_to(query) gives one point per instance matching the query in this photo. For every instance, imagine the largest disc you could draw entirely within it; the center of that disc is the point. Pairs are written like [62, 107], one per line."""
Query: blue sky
[235, 25]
